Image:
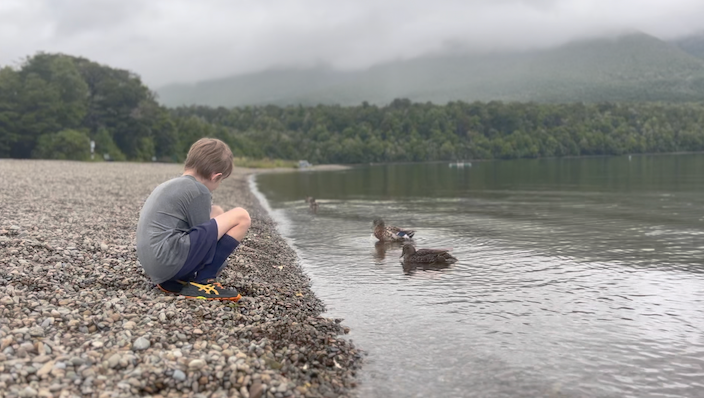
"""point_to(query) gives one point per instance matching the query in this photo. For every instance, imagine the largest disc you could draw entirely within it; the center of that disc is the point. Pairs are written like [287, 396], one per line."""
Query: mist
[179, 41]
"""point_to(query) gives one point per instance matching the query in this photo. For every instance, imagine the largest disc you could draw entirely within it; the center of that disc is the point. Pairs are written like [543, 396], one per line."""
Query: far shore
[319, 167]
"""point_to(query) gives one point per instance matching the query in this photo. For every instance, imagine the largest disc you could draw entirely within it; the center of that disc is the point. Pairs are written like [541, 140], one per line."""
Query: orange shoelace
[209, 288]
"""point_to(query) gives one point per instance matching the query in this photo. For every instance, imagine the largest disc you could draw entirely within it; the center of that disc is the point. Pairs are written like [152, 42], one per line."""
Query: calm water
[576, 277]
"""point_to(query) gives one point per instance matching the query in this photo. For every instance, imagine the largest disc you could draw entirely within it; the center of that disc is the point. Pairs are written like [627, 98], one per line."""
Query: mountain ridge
[633, 67]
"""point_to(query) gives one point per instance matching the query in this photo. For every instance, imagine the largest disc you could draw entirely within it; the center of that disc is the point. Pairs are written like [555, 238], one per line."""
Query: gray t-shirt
[173, 208]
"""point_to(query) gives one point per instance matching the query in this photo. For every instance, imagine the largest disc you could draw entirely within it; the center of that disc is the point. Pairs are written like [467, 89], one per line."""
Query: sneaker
[173, 287]
[209, 291]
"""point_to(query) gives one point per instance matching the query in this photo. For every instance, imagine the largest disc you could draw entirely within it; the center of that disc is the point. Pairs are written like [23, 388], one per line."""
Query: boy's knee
[246, 219]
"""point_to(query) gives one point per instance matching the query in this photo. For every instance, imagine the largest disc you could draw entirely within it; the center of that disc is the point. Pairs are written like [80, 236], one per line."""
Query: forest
[53, 105]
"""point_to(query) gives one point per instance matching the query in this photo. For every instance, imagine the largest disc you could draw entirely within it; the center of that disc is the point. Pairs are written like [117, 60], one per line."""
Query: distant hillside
[693, 44]
[635, 67]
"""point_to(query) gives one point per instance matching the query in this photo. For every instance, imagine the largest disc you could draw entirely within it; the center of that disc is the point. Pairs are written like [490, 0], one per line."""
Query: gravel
[78, 317]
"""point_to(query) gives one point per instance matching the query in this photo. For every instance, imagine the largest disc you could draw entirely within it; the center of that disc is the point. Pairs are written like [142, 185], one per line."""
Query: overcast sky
[168, 41]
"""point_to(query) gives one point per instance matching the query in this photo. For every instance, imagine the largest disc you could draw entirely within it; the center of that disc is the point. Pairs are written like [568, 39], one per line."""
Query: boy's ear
[216, 177]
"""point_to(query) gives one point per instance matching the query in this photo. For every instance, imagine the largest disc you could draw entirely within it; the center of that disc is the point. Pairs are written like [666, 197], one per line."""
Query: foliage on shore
[54, 105]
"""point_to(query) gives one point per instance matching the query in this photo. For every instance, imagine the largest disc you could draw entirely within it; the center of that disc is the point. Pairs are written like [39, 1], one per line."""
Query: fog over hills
[631, 67]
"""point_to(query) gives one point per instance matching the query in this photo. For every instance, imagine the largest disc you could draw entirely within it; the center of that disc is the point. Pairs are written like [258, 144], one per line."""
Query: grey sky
[168, 41]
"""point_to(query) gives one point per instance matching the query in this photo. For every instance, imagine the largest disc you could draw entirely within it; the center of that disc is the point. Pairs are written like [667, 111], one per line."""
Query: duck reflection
[411, 268]
[380, 248]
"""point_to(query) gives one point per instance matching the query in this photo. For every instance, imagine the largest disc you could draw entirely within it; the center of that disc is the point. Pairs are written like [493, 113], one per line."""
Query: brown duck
[426, 256]
[388, 233]
[312, 204]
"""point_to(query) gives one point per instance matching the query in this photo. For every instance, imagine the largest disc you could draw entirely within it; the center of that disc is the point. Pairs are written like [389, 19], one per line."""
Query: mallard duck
[387, 233]
[426, 256]
[312, 204]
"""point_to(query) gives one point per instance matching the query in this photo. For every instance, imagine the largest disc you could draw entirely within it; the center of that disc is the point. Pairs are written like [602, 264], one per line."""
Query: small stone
[114, 360]
[6, 300]
[28, 392]
[97, 344]
[36, 332]
[141, 344]
[256, 390]
[45, 369]
[45, 393]
[203, 380]
[76, 361]
[179, 375]
[129, 325]
[103, 246]
[196, 364]
[48, 322]
[41, 359]
[197, 331]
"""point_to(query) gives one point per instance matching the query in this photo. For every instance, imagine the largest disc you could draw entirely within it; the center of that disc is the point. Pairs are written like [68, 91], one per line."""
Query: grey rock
[28, 392]
[76, 361]
[141, 344]
[36, 332]
[114, 360]
[179, 375]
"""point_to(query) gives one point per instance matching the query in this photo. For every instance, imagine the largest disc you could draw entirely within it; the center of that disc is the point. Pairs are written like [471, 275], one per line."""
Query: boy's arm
[198, 211]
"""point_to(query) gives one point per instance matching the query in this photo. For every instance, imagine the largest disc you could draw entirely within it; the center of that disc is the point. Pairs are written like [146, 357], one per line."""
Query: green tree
[66, 144]
[10, 89]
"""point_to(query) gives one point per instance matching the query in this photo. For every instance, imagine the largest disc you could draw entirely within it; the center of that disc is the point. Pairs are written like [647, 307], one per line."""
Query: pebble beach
[79, 318]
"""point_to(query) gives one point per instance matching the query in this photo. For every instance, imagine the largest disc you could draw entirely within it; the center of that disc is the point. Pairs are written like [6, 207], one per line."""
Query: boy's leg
[227, 243]
[234, 223]
[210, 248]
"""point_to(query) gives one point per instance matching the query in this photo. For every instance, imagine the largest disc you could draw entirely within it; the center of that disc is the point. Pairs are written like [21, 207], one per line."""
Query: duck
[426, 256]
[388, 233]
[312, 204]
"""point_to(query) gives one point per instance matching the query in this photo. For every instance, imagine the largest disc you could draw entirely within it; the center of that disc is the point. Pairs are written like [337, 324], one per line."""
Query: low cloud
[184, 41]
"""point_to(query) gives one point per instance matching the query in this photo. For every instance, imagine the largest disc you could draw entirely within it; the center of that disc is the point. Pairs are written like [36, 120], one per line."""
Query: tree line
[53, 105]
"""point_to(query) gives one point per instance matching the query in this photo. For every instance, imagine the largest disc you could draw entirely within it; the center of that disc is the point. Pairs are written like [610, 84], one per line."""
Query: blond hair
[209, 156]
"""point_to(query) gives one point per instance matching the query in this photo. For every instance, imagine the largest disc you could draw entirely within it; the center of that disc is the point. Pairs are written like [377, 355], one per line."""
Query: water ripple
[557, 292]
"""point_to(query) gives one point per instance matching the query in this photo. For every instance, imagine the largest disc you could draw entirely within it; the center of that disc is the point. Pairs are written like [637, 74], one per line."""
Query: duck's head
[408, 249]
[378, 222]
[310, 199]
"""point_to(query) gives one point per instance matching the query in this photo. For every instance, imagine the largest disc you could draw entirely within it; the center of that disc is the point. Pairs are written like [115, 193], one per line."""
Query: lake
[576, 277]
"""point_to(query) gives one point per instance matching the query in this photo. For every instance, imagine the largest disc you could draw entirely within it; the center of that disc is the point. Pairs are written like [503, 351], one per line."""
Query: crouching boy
[183, 242]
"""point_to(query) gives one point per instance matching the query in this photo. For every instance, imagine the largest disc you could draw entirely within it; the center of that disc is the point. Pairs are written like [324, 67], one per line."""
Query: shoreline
[320, 167]
[79, 317]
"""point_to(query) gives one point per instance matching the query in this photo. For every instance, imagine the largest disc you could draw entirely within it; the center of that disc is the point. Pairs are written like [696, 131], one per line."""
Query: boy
[183, 242]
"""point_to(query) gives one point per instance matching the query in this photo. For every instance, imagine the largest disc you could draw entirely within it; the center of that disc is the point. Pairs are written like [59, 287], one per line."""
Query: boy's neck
[192, 173]
[212, 183]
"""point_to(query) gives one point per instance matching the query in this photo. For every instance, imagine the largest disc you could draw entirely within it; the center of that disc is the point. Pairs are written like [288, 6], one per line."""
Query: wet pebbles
[78, 317]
